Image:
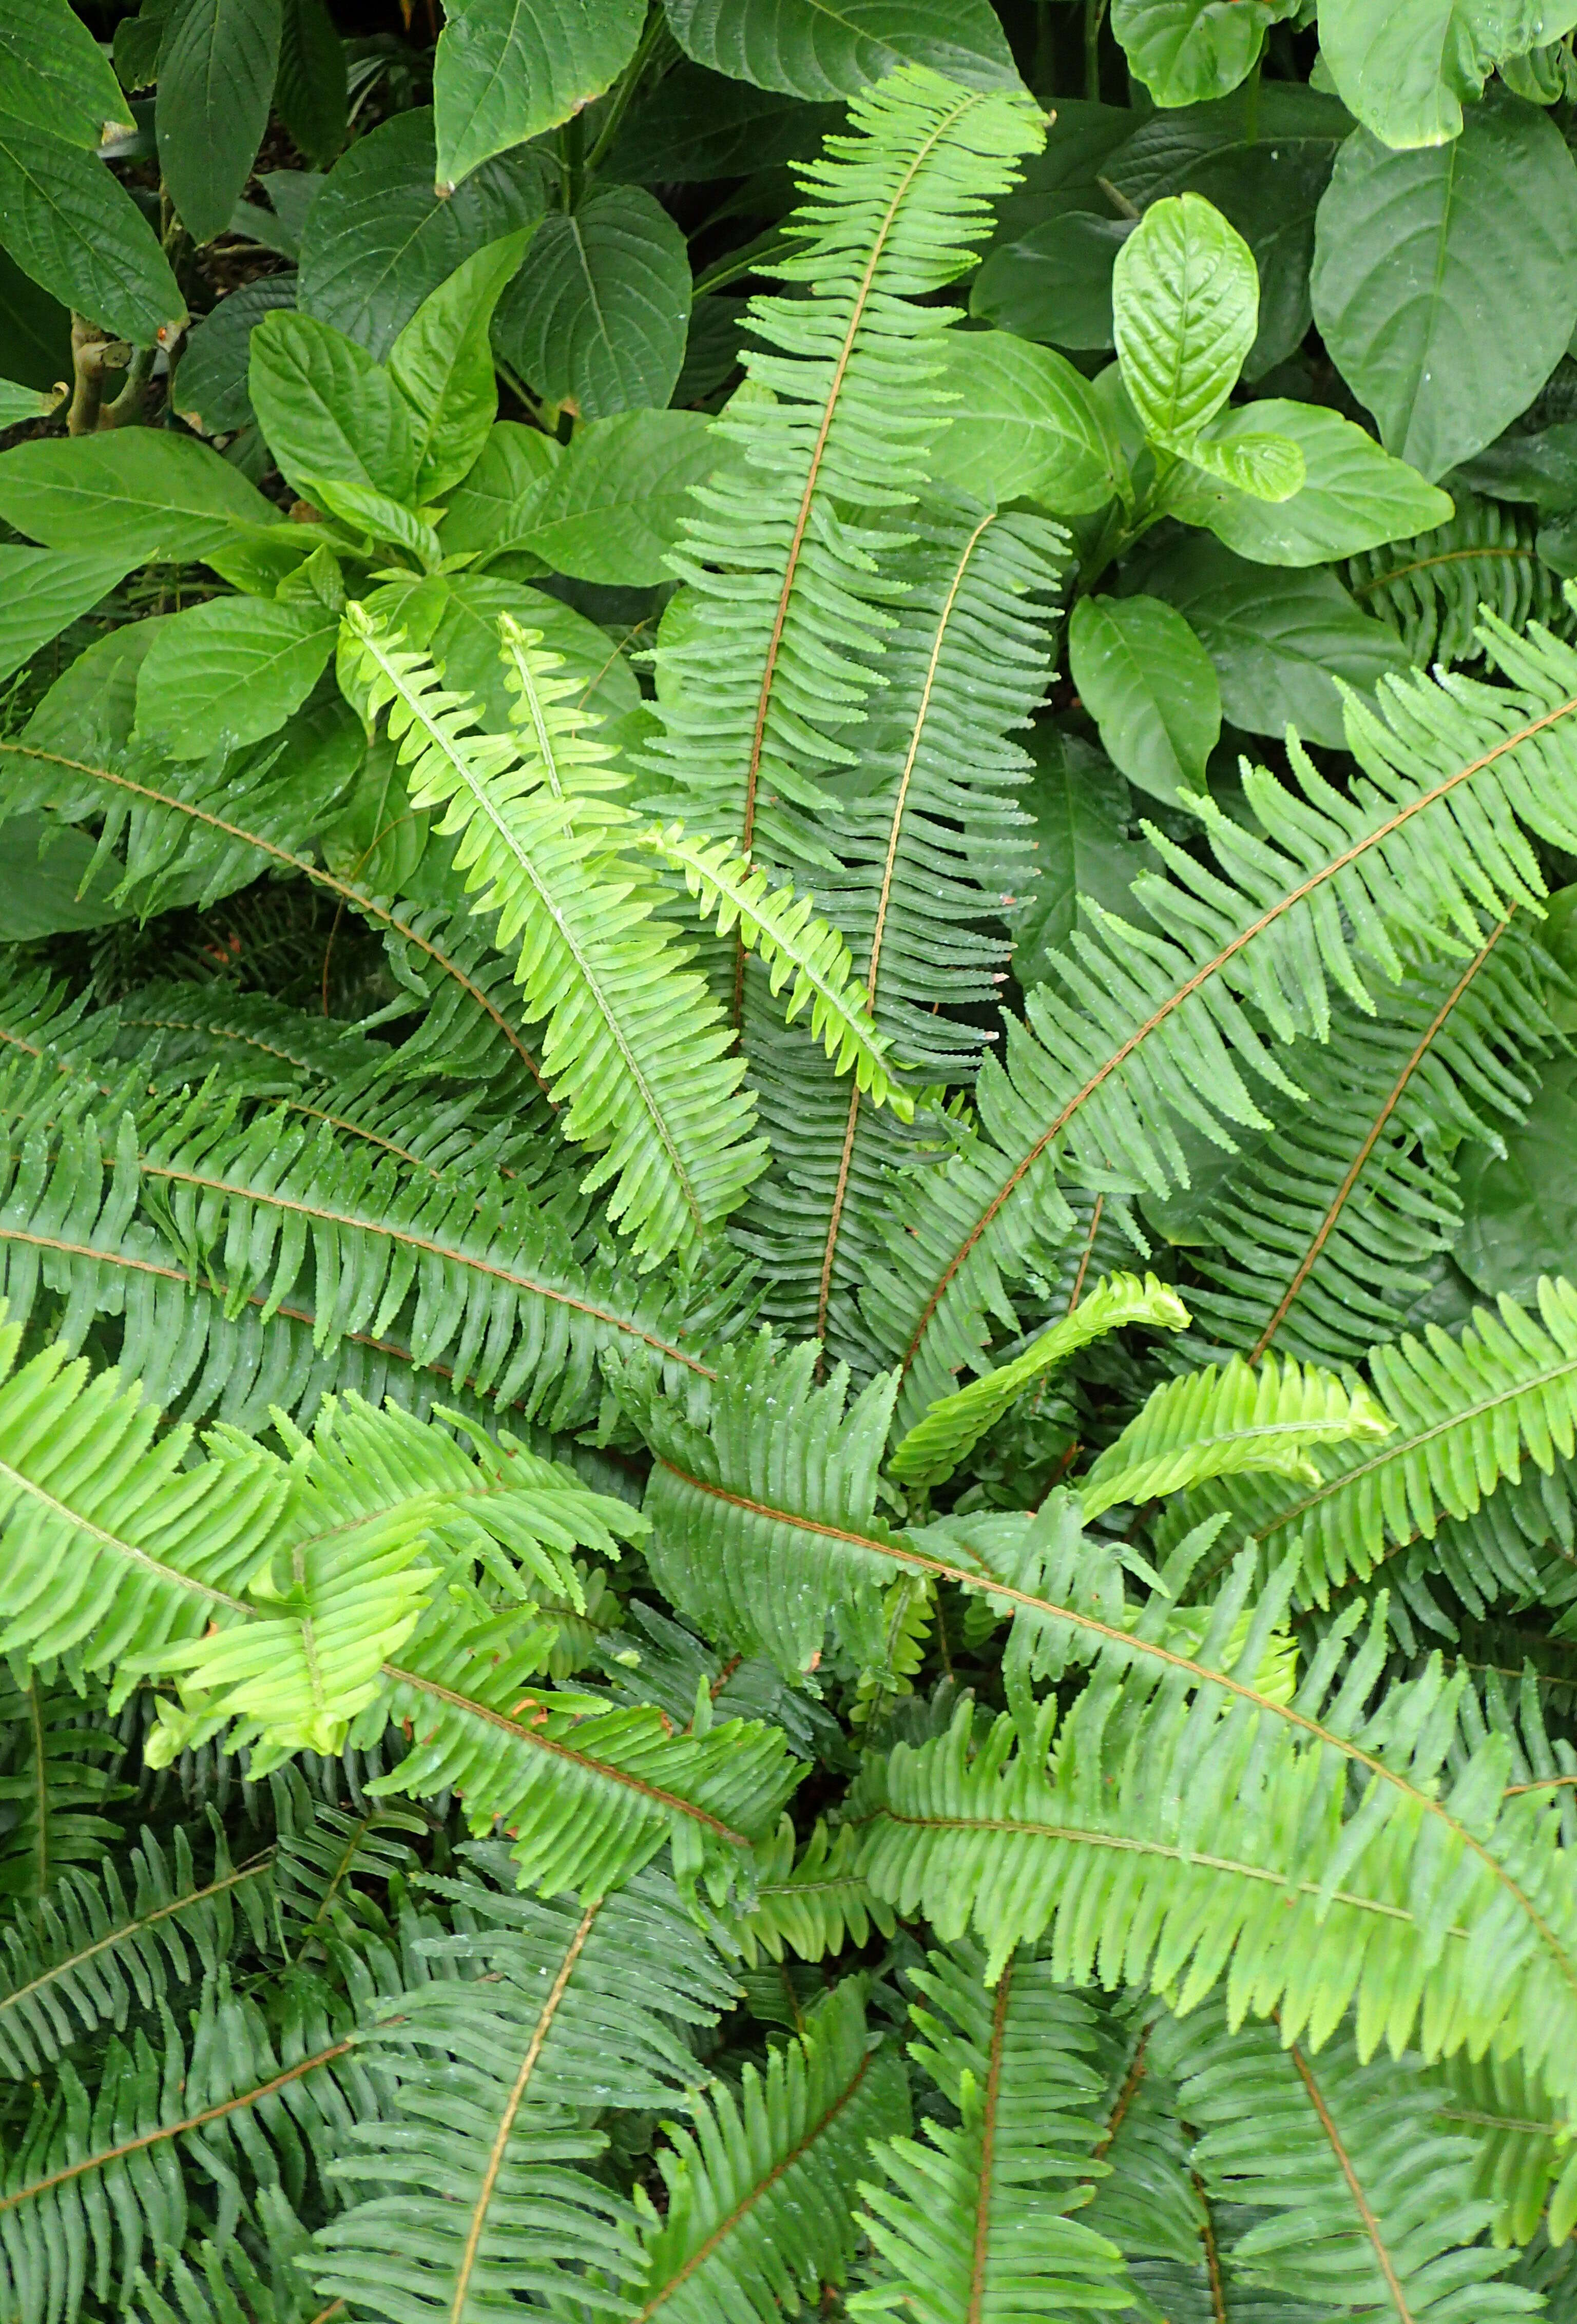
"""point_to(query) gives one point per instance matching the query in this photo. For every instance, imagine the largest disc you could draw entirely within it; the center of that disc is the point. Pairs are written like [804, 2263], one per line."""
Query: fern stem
[1360, 2202]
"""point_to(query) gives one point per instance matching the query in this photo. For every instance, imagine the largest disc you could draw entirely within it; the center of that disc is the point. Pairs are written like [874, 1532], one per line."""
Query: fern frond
[1524, 2158]
[761, 2193]
[1151, 1029]
[1463, 1414]
[1371, 2205]
[1320, 1235]
[973, 2219]
[788, 594]
[951, 1428]
[1239, 1421]
[475, 2194]
[634, 1047]
[811, 1903]
[91, 1951]
[1433, 589]
[54, 1785]
[929, 849]
[780, 927]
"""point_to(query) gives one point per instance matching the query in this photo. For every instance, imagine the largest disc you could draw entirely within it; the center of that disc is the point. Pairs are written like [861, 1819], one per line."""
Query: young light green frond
[1243, 1419]
[780, 926]
[810, 1903]
[973, 2220]
[1150, 1030]
[476, 2188]
[92, 1950]
[1524, 2160]
[790, 593]
[760, 2194]
[1463, 1414]
[951, 1428]
[634, 1048]
[1367, 2204]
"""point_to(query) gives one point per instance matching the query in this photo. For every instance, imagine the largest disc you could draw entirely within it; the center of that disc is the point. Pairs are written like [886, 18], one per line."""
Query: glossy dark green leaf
[1081, 809]
[696, 125]
[75, 230]
[598, 318]
[507, 69]
[1054, 284]
[1519, 1211]
[817, 50]
[35, 330]
[1278, 639]
[1080, 141]
[311, 92]
[54, 74]
[1539, 466]
[210, 391]
[1150, 686]
[1445, 280]
[45, 884]
[378, 239]
[218, 63]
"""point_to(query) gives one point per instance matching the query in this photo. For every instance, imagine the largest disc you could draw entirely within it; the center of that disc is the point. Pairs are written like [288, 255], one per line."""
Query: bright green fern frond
[811, 1903]
[760, 2194]
[1367, 2205]
[778, 925]
[1149, 1031]
[951, 1428]
[477, 2193]
[1433, 589]
[974, 2220]
[1244, 1418]
[634, 1045]
[1525, 2155]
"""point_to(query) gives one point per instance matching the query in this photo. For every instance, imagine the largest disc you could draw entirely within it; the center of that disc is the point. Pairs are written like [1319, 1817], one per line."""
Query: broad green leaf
[43, 589]
[1081, 810]
[1445, 280]
[1405, 69]
[442, 364]
[329, 411]
[1054, 284]
[608, 511]
[1354, 496]
[217, 67]
[361, 510]
[487, 513]
[598, 318]
[154, 493]
[18, 403]
[54, 75]
[507, 69]
[378, 240]
[229, 672]
[135, 48]
[1148, 684]
[1278, 639]
[1249, 459]
[1081, 139]
[1026, 426]
[45, 885]
[75, 230]
[695, 124]
[821, 48]
[465, 645]
[312, 93]
[35, 330]
[210, 391]
[1539, 466]
[1186, 51]
[1519, 1209]
[1186, 308]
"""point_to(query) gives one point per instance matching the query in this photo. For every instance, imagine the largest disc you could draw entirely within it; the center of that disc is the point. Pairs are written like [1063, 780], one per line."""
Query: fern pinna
[723, 1593]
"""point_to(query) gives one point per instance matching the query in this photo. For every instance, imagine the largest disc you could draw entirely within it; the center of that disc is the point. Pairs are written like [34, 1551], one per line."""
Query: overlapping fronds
[1524, 2158]
[787, 593]
[1243, 1420]
[1173, 1023]
[1319, 1237]
[1432, 589]
[91, 1951]
[949, 1431]
[809, 1902]
[929, 848]
[761, 2193]
[477, 2191]
[1368, 2206]
[974, 2220]
[59, 1773]
[1464, 1412]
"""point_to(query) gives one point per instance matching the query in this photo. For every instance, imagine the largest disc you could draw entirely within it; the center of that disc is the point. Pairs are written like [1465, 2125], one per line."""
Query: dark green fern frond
[761, 2193]
[975, 2218]
[54, 1783]
[1523, 2158]
[1176, 1024]
[1432, 589]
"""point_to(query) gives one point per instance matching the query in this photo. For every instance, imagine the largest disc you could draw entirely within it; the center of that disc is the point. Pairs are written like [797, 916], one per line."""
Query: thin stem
[629, 82]
[1094, 16]
[572, 162]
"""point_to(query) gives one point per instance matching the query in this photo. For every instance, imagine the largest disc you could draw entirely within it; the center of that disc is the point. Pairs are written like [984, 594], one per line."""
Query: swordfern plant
[786, 1519]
